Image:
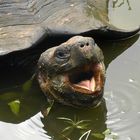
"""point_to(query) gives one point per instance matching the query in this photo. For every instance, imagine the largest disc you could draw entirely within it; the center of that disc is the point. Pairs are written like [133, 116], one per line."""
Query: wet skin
[73, 73]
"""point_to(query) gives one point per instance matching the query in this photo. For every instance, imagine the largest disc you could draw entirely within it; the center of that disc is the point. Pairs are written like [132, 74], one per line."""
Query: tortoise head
[73, 73]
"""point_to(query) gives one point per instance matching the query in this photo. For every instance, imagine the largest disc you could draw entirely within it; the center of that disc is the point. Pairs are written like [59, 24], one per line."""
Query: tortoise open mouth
[87, 79]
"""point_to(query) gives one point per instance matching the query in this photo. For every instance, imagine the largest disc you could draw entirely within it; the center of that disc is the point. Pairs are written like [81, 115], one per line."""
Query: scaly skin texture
[64, 69]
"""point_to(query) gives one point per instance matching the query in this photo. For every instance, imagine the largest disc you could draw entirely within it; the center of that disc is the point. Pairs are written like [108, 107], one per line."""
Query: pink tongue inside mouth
[87, 84]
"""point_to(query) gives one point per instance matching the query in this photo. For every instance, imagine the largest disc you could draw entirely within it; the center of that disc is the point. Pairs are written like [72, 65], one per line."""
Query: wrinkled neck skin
[73, 73]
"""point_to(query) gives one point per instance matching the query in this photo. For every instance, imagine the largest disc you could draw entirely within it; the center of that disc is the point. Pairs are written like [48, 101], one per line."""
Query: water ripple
[123, 107]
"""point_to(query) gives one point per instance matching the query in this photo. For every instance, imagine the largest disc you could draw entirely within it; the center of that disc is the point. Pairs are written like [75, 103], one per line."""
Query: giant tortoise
[73, 72]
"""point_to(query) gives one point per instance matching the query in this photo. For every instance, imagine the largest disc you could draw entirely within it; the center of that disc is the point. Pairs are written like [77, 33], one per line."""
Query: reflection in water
[122, 94]
[31, 129]
[123, 106]
[117, 3]
[112, 49]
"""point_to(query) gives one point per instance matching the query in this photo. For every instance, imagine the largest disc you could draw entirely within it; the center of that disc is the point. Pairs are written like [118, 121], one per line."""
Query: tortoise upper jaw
[87, 80]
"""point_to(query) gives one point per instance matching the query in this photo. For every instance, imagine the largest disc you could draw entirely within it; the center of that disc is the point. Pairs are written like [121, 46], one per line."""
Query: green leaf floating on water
[48, 109]
[110, 135]
[106, 135]
[15, 106]
[107, 132]
[98, 135]
[28, 84]
[51, 102]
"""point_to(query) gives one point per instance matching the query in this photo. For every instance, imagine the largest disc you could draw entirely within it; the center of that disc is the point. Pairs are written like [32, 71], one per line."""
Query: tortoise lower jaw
[88, 79]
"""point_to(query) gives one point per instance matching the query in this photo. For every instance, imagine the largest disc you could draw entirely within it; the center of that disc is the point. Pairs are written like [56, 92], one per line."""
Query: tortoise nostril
[82, 45]
[87, 44]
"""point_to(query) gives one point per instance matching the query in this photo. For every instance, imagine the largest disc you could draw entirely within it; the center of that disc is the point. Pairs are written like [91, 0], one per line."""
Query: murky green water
[21, 100]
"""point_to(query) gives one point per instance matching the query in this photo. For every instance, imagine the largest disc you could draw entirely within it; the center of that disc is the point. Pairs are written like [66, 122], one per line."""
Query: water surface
[21, 100]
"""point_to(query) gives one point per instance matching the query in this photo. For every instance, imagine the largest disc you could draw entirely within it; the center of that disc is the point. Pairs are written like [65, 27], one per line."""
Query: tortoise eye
[62, 54]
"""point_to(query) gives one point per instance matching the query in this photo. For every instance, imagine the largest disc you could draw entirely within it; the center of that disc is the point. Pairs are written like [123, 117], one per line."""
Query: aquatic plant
[84, 125]
[74, 124]
[28, 84]
[14, 106]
